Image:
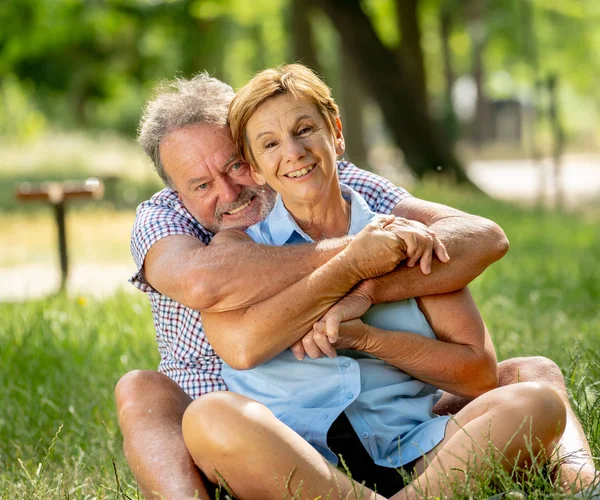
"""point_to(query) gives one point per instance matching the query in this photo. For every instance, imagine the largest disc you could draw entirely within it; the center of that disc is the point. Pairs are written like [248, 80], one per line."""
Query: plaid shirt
[186, 356]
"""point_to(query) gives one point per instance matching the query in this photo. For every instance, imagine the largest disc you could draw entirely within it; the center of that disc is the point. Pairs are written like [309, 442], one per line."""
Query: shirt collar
[283, 227]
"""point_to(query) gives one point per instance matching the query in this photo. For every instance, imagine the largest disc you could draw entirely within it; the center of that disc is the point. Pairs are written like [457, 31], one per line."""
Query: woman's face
[293, 148]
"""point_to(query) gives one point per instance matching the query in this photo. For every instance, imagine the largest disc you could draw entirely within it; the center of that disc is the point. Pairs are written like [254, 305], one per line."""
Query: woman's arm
[461, 361]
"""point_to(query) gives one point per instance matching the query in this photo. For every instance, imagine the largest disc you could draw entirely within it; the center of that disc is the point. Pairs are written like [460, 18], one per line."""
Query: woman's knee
[218, 423]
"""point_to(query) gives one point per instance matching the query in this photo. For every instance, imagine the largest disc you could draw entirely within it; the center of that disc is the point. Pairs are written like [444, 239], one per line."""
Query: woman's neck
[324, 219]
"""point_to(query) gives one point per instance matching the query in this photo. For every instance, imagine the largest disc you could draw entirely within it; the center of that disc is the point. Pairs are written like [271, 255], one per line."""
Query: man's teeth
[241, 207]
[301, 172]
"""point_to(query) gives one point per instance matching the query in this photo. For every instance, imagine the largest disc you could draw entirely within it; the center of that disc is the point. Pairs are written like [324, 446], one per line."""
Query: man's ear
[257, 176]
[340, 145]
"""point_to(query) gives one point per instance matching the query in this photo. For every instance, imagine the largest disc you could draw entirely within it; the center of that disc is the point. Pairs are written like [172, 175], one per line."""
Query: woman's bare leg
[575, 462]
[518, 421]
[259, 457]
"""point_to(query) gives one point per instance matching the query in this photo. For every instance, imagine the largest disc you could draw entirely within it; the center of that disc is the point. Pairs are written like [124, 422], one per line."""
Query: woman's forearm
[463, 370]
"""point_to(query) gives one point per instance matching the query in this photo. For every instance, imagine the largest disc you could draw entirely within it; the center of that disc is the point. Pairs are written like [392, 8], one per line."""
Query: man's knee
[143, 390]
[531, 369]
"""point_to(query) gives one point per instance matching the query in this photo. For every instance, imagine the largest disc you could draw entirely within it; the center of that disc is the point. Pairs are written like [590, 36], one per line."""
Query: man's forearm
[247, 337]
[227, 277]
[472, 242]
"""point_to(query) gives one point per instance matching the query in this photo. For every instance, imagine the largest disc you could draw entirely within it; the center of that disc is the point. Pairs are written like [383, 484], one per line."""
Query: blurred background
[498, 95]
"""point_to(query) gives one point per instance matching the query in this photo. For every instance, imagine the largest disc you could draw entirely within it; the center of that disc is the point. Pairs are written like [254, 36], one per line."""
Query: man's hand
[376, 249]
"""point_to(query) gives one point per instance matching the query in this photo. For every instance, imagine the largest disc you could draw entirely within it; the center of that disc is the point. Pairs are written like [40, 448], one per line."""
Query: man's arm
[472, 242]
[227, 277]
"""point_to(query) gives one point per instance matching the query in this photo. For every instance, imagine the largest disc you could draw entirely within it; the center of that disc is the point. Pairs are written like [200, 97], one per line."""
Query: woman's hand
[350, 334]
[421, 242]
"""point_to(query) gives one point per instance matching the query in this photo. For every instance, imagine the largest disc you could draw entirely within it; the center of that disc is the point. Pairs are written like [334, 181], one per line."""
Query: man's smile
[240, 208]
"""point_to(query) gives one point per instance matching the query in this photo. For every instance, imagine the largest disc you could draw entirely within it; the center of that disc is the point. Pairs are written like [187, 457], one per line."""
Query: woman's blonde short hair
[293, 79]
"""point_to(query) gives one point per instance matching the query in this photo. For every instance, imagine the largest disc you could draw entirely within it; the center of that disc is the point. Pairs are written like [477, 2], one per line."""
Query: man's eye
[201, 187]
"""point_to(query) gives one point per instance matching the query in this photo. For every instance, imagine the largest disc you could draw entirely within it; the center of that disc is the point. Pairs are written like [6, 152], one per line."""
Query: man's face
[211, 180]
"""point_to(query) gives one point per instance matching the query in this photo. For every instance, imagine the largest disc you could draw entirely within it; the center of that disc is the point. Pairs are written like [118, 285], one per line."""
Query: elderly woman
[371, 404]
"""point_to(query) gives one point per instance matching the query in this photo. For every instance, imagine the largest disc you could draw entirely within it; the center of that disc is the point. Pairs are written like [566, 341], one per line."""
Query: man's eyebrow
[234, 156]
[298, 119]
[202, 180]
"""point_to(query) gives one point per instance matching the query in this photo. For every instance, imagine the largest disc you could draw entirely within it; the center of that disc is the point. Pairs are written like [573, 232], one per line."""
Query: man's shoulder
[166, 209]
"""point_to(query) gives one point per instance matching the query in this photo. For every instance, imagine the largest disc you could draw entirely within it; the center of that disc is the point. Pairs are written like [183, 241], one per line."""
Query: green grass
[61, 357]
[59, 362]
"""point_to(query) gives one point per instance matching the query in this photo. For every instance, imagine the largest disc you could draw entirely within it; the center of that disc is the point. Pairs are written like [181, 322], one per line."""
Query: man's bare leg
[234, 438]
[151, 408]
[577, 468]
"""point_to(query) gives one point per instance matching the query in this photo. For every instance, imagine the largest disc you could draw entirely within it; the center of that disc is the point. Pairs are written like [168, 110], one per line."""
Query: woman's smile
[301, 172]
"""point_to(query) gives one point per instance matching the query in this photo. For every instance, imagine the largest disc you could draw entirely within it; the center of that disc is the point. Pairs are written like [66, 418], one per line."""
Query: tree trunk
[352, 104]
[303, 47]
[410, 51]
[425, 147]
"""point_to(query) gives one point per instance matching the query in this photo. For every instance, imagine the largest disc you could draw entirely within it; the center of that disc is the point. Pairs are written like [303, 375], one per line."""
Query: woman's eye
[270, 145]
[237, 166]
[304, 130]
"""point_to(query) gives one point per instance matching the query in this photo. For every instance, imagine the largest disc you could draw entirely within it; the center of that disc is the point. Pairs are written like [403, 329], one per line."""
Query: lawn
[60, 357]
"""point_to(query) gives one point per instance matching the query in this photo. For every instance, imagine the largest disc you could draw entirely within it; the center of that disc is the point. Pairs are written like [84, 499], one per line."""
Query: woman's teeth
[238, 209]
[301, 172]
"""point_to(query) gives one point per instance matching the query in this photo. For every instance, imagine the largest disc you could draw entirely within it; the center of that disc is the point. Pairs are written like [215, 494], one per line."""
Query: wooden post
[57, 194]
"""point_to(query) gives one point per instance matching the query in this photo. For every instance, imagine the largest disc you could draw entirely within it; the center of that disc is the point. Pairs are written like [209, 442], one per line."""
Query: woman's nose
[294, 149]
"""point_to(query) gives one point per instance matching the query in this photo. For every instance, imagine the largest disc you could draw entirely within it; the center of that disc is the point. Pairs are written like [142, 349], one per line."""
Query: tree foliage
[93, 63]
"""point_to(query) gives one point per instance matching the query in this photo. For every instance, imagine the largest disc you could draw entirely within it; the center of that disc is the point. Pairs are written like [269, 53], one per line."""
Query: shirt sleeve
[380, 194]
[155, 219]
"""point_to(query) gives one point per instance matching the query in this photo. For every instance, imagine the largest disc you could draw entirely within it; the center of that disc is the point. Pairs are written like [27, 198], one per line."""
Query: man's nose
[230, 190]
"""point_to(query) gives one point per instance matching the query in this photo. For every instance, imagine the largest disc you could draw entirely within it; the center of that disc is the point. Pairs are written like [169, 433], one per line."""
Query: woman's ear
[257, 176]
[340, 145]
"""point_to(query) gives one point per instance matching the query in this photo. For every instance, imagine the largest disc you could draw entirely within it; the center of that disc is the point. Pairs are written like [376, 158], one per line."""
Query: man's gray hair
[178, 104]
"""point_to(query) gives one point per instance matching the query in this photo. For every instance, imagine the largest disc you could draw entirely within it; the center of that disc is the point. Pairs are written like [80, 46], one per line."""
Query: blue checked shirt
[388, 409]
[185, 354]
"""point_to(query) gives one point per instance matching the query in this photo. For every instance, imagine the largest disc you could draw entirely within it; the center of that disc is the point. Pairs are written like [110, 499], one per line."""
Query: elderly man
[184, 131]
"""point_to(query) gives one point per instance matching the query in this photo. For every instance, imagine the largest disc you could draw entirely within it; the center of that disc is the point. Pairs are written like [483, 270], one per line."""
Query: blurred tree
[425, 146]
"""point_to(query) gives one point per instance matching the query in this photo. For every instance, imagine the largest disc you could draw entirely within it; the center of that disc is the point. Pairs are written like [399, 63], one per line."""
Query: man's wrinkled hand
[374, 250]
